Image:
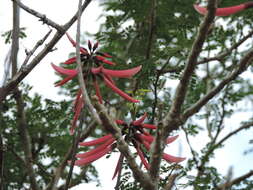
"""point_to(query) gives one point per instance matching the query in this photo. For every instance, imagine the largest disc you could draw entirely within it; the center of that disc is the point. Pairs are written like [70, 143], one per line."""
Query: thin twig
[243, 65]
[39, 43]
[220, 56]
[85, 96]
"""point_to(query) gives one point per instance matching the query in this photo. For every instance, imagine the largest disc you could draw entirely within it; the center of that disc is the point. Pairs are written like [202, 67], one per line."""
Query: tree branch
[24, 71]
[42, 17]
[39, 43]
[172, 120]
[25, 138]
[82, 85]
[220, 56]
[243, 65]
[235, 181]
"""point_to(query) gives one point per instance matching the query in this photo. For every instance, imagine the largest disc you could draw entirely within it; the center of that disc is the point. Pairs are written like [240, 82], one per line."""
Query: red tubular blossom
[100, 58]
[96, 141]
[78, 96]
[142, 157]
[171, 139]
[121, 73]
[104, 54]
[97, 149]
[95, 46]
[118, 91]
[82, 50]
[93, 157]
[148, 126]
[141, 120]
[65, 80]
[69, 72]
[70, 61]
[96, 70]
[120, 122]
[78, 107]
[118, 166]
[170, 158]
[226, 11]
[98, 93]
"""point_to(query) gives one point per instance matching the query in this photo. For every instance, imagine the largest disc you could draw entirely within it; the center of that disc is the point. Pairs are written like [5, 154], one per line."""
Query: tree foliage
[195, 77]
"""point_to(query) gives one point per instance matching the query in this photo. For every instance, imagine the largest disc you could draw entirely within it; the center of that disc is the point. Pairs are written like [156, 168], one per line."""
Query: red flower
[225, 11]
[96, 71]
[134, 134]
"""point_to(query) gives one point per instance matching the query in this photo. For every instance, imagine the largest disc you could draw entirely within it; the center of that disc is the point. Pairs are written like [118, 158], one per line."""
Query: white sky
[42, 79]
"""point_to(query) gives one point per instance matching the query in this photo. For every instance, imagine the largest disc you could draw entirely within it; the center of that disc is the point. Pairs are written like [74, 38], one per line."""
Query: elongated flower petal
[100, 58]
[118, 91]
[104, 54]
[149, 138]
[70, 61]
[69, 72]
[171, 139]
[148, 126]
[122, 73]
[166, 157]
[82, 50]
[118, 166]
[98, 93]
[170, 158]
[78, 96]
[65, 80]
[96, 70]
[96, 141]
[92, 158]
[140, 121]
[120, 122]
[97, 149]
[77, 110]
[109, 78]
[142, 157]
[224, 11]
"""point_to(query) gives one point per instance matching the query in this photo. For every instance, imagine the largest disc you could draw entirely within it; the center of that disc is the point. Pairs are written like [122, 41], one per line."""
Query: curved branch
[243, 65]
[235, 181]
[228, 52]
[42, 17]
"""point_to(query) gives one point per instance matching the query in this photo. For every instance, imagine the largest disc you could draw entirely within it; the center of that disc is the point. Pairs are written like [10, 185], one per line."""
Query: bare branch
[220, 56]
[171, 182]
[235, 181]
[212, 148]
[243, 65]
[42, 17]
[39, 43]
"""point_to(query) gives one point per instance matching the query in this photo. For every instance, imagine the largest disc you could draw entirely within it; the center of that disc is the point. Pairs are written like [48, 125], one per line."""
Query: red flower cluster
[135, 134]
[97, 71]
[225, 11]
